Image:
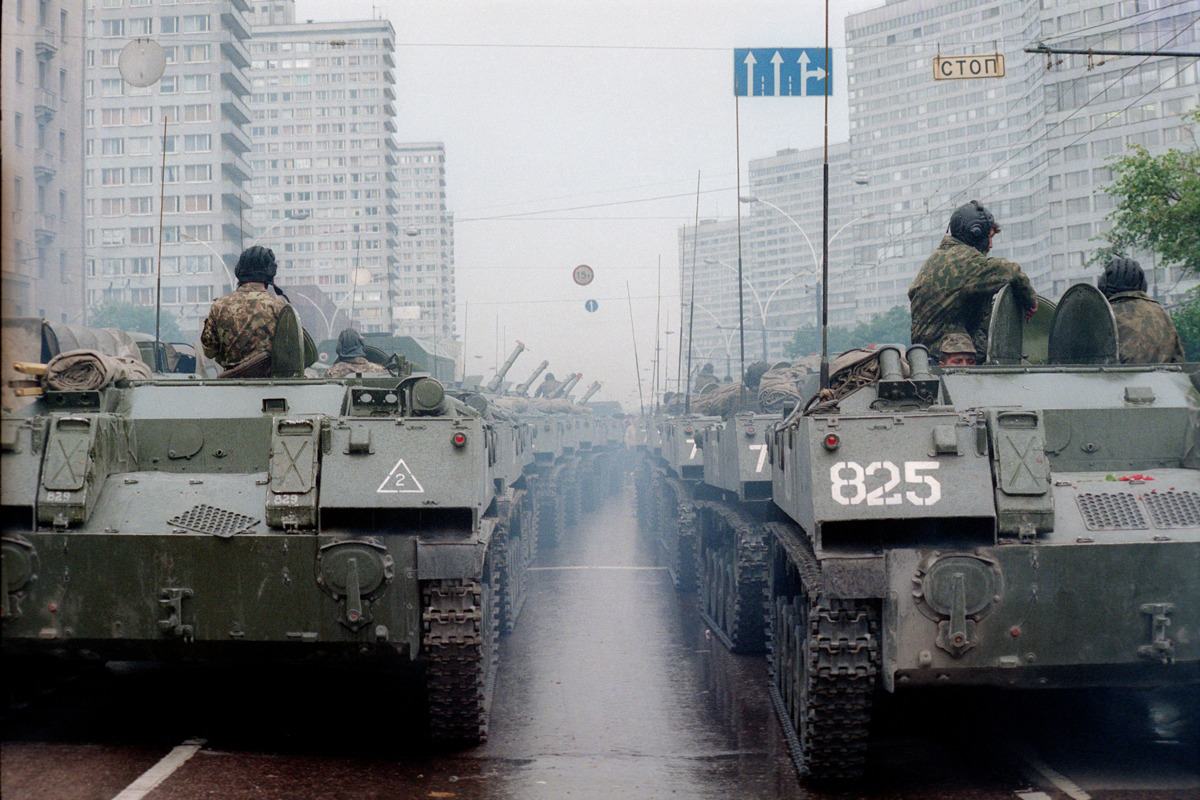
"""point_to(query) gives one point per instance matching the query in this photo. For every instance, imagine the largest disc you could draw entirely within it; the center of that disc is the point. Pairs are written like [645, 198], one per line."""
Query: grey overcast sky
[575, 131]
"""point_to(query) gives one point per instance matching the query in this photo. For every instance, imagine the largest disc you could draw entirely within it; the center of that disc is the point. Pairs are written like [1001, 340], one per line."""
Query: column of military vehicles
[1030, 522]
[378, 520]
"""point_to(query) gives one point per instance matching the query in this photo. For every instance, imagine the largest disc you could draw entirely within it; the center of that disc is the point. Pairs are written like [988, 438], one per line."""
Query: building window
[201, 112]
[140, 176]
[18, 131]
[141, 205]
[112, 147]
[195, 23]
[112, 87]
[112, 176]
[140, 115]
[197, 202]
[140, 26]
[143, 235]
[113, 27]
[112, 207]
[197, 143]
[168, 25]
[196, 83]
[19, 67]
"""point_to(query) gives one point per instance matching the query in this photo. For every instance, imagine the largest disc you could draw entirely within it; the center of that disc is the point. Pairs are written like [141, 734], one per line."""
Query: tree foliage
[1187, 322]
[1157, 204]
[135, 318]
[893, 326]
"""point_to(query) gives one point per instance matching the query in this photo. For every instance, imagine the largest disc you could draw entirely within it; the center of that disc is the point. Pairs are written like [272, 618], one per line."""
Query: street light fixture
[297, 216]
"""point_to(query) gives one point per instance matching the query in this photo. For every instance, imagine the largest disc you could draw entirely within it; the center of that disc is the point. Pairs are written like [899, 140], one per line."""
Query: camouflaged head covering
[956, 343]
[973, 224]
[350, 345]
[1122, 275]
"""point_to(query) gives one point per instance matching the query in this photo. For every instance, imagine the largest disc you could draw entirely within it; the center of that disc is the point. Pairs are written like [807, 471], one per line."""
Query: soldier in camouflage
[352, 357]
[954, 289]
[957, 350]
[1145, 332]
[242, 324]
[549, 386]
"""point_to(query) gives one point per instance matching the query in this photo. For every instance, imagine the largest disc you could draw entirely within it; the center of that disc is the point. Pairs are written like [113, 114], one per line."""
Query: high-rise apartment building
[345, 207]
[41, 187]
[182, 139]
[1032, 146]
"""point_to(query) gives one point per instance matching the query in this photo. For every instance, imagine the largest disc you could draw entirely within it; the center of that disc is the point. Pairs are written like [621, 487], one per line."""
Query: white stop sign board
[583, 275]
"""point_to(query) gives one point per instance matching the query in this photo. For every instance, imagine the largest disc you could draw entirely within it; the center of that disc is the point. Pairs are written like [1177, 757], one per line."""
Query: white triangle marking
[400, 480]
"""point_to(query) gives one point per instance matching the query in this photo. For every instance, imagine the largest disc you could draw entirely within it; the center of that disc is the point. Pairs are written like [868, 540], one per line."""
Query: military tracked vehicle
[356, 520]
[1013, 524]
[733, 503]
[674, 474]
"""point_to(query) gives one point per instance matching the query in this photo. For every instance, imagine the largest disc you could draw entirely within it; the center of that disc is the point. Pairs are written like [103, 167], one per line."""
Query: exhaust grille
[1111, 512]
[216, 521]
[1173, 509]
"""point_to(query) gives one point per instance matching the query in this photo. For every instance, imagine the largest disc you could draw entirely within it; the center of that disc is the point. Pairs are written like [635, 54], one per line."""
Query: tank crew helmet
[1122, 275]
[350, 345]
[956, 343]
[549, 376]
[974, 225]
[257, 264]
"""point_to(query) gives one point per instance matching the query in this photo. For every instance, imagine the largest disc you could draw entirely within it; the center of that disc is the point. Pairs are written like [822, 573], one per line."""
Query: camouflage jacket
[1145, 333]
[953, 293]
[241, 324]
[350, 366]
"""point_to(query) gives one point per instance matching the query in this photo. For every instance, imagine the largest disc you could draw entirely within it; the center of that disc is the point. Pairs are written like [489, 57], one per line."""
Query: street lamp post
[811, 250]
[727, 336]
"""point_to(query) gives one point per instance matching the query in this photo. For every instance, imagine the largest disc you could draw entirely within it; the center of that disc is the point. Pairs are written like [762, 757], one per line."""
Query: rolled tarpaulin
[89, 370]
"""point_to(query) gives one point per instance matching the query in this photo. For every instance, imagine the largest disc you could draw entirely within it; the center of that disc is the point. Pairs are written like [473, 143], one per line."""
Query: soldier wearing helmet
[954, 289]
[1145, 332]
[549, 386]
[957, 350]
[242, 323]
[352, 357]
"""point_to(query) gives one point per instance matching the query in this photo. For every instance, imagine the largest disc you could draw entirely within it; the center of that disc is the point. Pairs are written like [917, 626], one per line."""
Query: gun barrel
[595, 387]
[523, 389]
[498, 379]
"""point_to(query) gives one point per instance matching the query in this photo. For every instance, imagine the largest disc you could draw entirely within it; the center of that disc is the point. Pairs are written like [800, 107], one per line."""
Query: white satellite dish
[142, 62]
[360, 276]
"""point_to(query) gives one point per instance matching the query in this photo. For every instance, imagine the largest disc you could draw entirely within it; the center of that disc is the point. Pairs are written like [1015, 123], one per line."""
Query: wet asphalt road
[609, 688]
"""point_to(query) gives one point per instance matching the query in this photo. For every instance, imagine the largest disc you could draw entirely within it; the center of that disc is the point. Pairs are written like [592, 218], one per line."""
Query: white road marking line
[619, 569]
[152, 777]
[1033, 796]
[1059, 781]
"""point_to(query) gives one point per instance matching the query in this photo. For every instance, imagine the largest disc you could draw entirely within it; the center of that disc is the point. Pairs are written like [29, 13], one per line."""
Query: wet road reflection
[609, 688]
[610, 677]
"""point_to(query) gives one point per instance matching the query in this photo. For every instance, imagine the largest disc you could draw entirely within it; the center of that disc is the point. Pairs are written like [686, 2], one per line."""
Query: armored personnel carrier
[361, 520]
[674, 474]
[1011, 525]
[733, 504]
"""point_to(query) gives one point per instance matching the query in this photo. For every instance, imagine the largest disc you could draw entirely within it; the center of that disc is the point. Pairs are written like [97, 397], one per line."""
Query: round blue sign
[591, 305]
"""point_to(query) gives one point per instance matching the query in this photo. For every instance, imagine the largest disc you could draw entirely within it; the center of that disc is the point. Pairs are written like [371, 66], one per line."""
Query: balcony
[235, 198]
[389, 76]
[389, 92]
[242, 6]
[45, 230]
[234, 108]
[236, 82]
[236, 141]
[45, 48]
[235, 168]
[45, 105]
[43, 174]
[236, 53]
[389, 61]
[233, 21]
[389, 125]
[391, 159]
[230, 232]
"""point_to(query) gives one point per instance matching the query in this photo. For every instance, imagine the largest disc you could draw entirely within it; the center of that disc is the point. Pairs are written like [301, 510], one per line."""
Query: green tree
[1187, 322]
[1157, 204]
[893, 326]
[135, 318]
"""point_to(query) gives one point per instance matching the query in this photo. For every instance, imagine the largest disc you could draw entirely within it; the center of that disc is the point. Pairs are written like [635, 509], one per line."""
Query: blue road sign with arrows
[780, 72]
[591, 305]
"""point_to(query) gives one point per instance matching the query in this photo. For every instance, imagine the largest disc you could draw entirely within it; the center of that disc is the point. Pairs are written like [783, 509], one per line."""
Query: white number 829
[852, 490]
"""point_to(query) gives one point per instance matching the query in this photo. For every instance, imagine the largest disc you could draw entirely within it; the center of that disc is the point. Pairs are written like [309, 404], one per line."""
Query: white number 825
[852, 490]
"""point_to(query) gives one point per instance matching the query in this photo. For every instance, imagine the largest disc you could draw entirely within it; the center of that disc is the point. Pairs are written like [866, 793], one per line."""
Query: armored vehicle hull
[352, 520]
[1002, 526]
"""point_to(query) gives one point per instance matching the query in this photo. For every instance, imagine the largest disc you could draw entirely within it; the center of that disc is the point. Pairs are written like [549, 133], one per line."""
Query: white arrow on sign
[777, 60]
[806, 73]
[750, 62]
